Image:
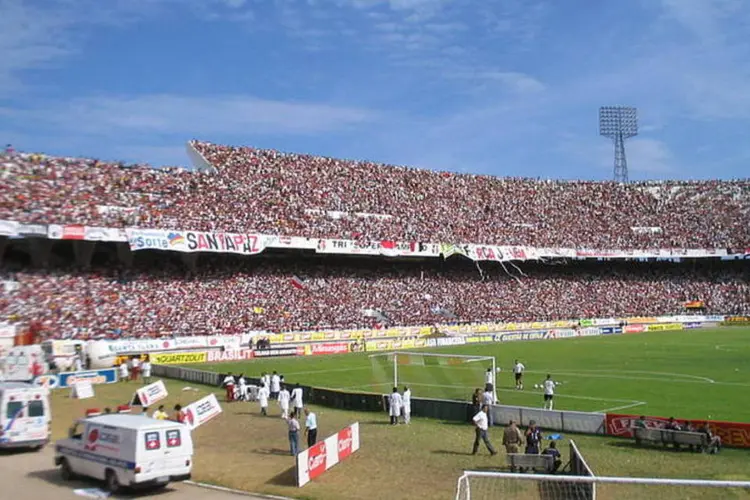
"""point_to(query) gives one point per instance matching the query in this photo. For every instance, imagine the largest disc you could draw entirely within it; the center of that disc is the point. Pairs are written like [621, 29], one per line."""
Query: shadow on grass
[377, 422]
[273, 451]
[630, 445]
[286, 478]
[452, 452]
[52, 476]
[453, 422]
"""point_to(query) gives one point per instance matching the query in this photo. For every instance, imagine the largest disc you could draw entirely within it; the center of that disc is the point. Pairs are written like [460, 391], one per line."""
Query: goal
[432, 375]
[477, 485]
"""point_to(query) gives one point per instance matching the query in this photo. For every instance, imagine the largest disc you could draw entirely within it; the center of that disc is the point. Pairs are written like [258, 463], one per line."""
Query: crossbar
[434, 354]
[611, 480]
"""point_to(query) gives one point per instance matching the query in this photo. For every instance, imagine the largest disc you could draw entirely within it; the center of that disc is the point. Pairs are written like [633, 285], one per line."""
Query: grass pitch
[240, 449]
[696, 374]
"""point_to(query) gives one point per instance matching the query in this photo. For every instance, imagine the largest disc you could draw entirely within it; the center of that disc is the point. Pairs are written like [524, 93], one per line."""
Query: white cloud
[517, 82]
[191, 116]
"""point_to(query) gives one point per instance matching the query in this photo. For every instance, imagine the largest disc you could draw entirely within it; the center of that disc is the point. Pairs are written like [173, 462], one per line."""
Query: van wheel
[65, 471]
[112, 484]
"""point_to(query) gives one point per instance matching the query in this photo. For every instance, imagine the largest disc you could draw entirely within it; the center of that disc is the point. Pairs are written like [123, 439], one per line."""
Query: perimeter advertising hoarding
[735, 434]
[320, 457]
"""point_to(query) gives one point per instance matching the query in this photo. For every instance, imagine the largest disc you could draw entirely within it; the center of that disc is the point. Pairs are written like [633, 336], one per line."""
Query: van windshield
[35, 409]
[14, 408]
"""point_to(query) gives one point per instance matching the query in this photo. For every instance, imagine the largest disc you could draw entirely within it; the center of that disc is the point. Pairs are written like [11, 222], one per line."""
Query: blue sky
[505, 87]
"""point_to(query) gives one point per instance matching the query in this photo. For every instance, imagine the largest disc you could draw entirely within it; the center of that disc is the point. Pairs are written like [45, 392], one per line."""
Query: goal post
[481, 485]
[433, 375]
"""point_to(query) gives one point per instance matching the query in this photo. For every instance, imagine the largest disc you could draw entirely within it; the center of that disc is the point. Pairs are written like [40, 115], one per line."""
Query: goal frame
[467, 357]
[594, 480]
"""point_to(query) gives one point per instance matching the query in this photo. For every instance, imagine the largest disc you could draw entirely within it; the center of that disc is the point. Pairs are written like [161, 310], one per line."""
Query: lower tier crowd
[162, 298]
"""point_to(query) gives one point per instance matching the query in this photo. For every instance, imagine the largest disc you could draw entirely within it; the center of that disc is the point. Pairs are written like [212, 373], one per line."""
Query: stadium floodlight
[434, 375]
[619, 123]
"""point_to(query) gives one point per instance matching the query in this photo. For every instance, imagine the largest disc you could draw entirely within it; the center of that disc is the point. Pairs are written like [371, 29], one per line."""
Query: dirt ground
[33, 476]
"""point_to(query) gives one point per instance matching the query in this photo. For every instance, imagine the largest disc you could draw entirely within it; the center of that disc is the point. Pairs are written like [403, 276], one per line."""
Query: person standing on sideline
[311, 427]
[263, 395]
[293, 424]
[395, 401]
[265, 379]
[512, 438]
[533, 438]
[124, 373]
[179, 415]
[488, 399]
[406, 400]
[135, 368]
[242, 384]
[518, 370]
[146, 370]
[284, 398]
[489, 377]
[229, 384]
[275, 386]
[549, 392]
[481, 425]
[297, 397]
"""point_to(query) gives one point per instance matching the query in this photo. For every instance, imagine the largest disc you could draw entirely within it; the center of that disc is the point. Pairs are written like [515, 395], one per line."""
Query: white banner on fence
[194, 241]
[567, 421]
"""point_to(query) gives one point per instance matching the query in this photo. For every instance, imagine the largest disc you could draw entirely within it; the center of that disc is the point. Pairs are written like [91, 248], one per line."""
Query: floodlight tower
[619, 123]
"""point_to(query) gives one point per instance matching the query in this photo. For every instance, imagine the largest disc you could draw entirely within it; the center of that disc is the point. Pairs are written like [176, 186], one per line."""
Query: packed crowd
[270, 192]
[224, 298]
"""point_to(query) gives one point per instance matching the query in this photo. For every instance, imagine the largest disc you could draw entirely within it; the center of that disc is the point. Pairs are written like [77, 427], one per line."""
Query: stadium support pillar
[83, 251]
[40, 250]
[124, 255]
[190, 260]
[3, 246]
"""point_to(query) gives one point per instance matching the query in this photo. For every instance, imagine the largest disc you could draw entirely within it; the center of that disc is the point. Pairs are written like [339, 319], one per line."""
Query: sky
[500, 87]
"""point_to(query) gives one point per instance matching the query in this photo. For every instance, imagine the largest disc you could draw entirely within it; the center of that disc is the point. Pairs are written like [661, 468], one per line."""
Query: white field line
[622, 375]
[611, 374]
[607, 410]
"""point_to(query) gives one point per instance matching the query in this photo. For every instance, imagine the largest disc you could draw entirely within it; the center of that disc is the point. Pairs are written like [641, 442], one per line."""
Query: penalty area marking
[630, 402]
[623, 375]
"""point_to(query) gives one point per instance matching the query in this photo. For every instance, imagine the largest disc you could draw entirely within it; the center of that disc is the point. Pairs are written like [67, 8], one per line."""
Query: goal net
[578, 482]
[431, 375]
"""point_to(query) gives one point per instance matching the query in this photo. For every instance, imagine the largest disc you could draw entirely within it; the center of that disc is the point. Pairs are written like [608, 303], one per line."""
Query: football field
[696, 374]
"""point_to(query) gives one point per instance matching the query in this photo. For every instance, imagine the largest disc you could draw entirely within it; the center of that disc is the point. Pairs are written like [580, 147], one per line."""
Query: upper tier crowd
[270, 192]
[236, 298]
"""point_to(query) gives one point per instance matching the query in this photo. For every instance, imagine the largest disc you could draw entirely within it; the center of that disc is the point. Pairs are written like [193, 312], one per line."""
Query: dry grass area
[240, 449]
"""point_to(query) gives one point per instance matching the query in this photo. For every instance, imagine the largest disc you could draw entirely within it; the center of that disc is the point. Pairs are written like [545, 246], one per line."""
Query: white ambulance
[24, 415]
[133, 451]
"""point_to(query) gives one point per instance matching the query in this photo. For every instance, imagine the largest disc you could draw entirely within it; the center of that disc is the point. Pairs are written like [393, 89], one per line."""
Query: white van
[24, 415]
[126, 451]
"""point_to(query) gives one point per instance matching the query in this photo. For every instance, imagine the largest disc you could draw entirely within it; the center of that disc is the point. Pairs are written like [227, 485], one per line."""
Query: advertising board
[314, 461]
[229, 355]
[734, 434]
[178, 358]
[201, 411]
[279, 351]
[68, 379]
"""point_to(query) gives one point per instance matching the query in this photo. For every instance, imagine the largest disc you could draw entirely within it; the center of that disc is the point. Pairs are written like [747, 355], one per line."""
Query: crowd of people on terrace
[264, 191]
[235, 298]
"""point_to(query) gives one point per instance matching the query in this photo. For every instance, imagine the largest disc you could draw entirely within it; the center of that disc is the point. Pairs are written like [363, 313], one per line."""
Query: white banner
[200, 412]
[386, 248]
[566, 421]
[152, 393]
[8, 228]
[142, 346]
[323, 455]
[194, 241]
[104, 234]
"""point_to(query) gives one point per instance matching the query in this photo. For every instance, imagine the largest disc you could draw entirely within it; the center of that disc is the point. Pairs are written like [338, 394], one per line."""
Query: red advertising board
[73, 232]
[316, 460]
[333, 348]
[633, 329]
[345, 443]
[735, 434]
